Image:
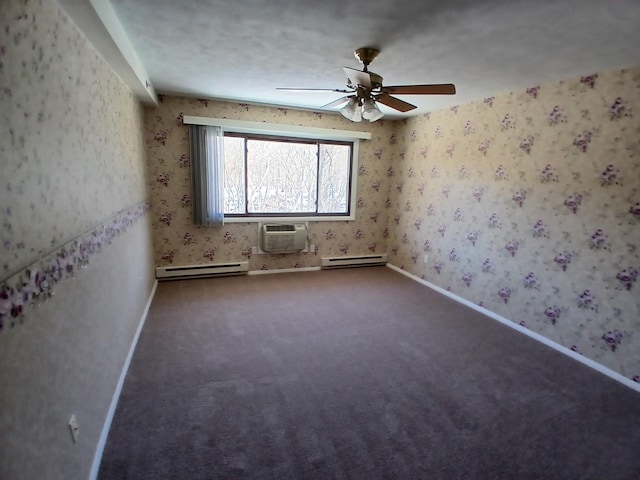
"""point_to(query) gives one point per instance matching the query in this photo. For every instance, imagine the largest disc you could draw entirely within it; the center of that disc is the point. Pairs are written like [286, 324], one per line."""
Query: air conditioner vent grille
[280, 228]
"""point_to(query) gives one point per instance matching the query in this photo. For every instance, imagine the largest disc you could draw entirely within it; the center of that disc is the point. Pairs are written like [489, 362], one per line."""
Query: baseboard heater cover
[201, 271]
[355, 261]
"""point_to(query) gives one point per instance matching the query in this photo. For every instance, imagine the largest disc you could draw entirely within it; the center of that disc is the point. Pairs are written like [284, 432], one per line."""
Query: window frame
[300, 140]
[300, 132]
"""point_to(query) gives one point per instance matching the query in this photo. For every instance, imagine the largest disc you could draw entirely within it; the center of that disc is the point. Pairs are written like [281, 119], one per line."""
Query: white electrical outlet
[74, 428]
[312, 248]
[425, 258]
[254, 250]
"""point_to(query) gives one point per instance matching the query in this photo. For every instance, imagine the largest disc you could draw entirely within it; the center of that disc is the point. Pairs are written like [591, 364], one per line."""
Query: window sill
[288, 219]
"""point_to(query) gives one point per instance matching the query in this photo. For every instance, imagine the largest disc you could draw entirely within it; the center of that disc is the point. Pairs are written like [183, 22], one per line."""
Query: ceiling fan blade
[337, 102]
[436, 89]
[357, 77]
[339, 90]
[394, 103]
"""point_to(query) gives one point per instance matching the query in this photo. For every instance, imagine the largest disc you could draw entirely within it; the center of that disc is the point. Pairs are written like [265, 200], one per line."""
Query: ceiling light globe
[370, 111]
[352, 110]
[357, 114]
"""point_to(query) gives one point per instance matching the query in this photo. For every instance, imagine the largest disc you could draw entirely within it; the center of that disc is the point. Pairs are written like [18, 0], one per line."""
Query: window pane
[335, 162]
[288, 176]
[281, 176]
[234, 201]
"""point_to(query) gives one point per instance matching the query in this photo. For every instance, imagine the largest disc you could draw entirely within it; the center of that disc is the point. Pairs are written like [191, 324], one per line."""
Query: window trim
[292, 131]
[277, 129]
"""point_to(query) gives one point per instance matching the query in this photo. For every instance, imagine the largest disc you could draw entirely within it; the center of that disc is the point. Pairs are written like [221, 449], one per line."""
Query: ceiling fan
[364, 89]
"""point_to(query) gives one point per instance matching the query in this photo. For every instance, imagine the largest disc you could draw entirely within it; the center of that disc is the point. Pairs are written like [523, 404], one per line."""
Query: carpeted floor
[356, 374]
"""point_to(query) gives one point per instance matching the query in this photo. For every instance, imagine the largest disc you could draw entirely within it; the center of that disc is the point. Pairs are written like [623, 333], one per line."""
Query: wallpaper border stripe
[35, 283]
[536, 336]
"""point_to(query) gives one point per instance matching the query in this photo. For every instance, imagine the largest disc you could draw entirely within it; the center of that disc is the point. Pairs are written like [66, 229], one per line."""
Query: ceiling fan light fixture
[370, 110]
[365, 90]
[352, 110]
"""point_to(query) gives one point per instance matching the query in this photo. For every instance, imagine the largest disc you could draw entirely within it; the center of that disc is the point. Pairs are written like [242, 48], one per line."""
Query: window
[273, 171]
[267, 176]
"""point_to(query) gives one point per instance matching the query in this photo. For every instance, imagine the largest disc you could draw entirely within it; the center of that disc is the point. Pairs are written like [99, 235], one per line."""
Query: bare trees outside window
[285, 176]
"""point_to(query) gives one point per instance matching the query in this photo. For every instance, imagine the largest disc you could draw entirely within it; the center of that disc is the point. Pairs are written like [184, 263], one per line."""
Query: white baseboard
[283, 270]
[536, 336]
[97, 458]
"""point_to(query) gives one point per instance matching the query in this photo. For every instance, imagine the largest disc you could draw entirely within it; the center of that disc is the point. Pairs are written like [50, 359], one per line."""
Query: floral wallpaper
[37, 283]
[177, 241]
[73, 194]
[68, 154]
[528, 204]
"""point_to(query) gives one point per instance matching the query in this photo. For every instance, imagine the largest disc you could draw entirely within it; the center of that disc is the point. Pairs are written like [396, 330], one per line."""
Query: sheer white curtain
[207, 170]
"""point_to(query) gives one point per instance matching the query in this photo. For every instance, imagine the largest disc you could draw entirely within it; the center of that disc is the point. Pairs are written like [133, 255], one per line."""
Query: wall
[178, 242]
[528, 204]
[73, 194]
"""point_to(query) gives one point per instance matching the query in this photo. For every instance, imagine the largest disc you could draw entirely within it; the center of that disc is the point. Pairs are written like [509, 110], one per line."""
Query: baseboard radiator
[201, 271]
[355, 261]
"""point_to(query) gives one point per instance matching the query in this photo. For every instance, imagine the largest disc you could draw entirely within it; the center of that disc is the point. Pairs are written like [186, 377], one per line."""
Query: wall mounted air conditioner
[283, 237]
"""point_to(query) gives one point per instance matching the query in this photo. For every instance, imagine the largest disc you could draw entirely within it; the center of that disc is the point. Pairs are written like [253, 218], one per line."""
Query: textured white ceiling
[242, 50]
